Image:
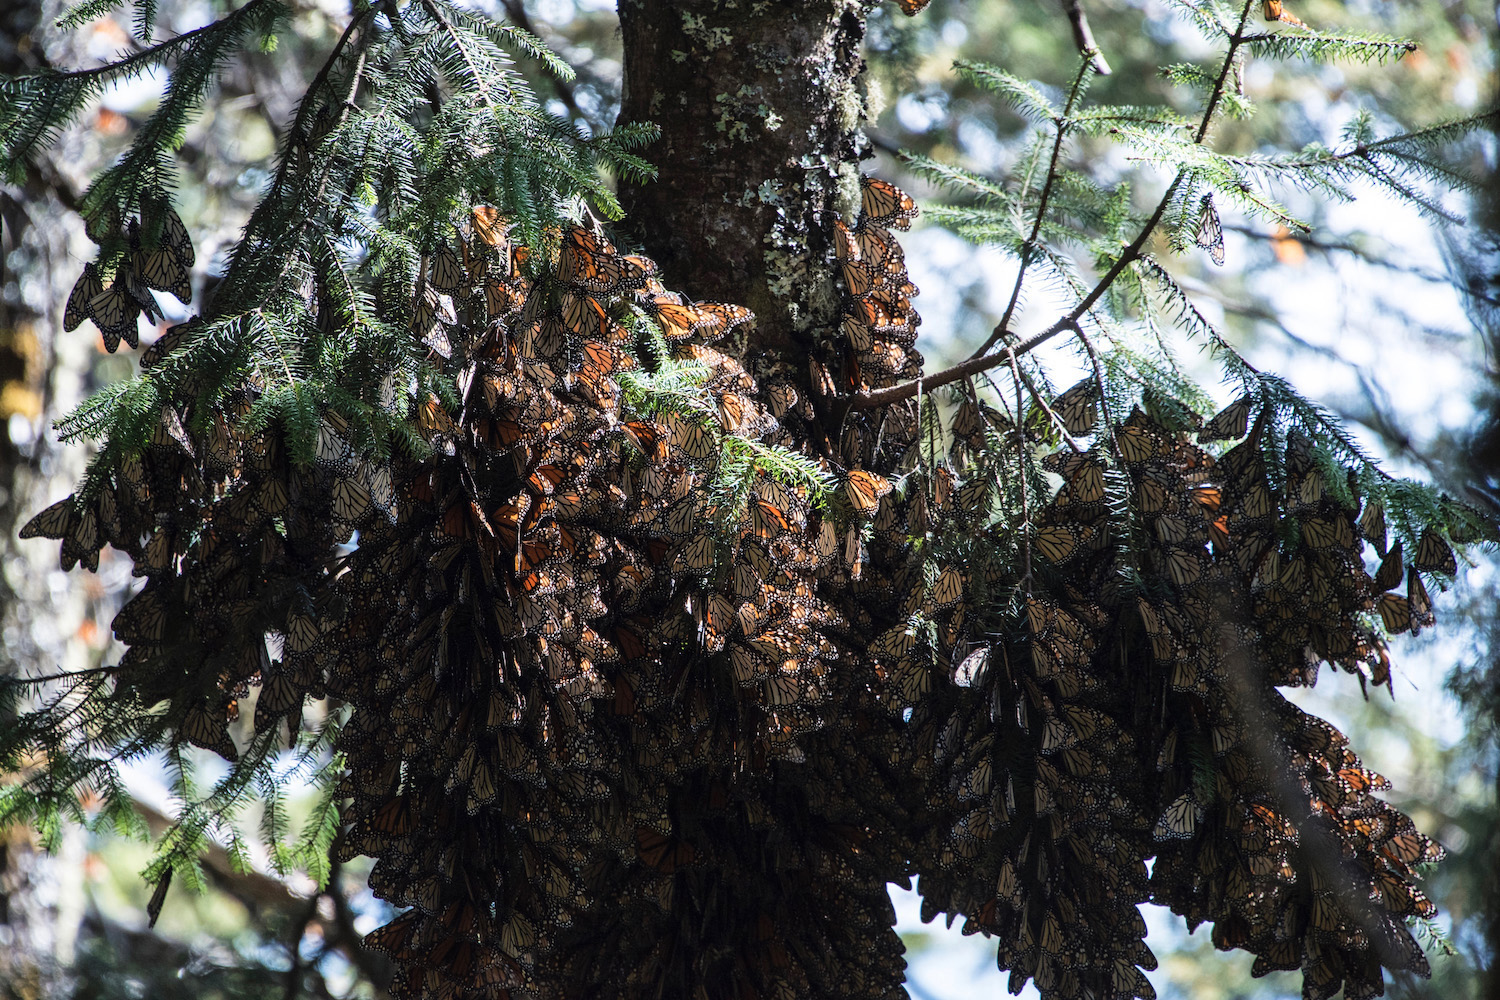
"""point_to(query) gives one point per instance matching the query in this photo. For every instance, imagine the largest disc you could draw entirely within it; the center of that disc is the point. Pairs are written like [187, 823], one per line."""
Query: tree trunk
[760, 117]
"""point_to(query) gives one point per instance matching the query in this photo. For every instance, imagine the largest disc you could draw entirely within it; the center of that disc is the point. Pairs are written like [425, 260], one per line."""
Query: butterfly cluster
[633, 712]
[1130, 721]
[163, 263]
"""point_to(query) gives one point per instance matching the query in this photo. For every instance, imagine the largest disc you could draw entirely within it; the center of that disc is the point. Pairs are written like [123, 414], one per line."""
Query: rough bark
[760, 113]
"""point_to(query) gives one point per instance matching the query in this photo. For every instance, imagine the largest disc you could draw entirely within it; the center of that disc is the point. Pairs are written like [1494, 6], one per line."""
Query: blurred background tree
[1409, 357]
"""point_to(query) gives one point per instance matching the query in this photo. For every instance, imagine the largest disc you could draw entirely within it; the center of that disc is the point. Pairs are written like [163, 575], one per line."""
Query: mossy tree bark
[760, 114]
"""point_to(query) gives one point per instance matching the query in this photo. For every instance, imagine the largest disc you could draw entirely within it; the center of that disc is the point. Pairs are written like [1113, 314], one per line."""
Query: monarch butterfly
[1077, 407]
[1410, 847]
[878, 315]
[682, 518]
[1390, 570]
[858, 277]
[781, 690]
[974, 498]
[1137, 445]
[1180, 819]
[1372, 526]
[663, 853]
[698, 555]
[491, 227]
[58, 521]
[481, 788]
[1277, 955]
[175, 237]
[1084, 489]
[1325, 533]
[1056, 542]
[734, 411]
[884, 204]
[1272, 10]
[678, 321]
[864, 490]
[588, 262]
[911, 8]
[301, 632]
[207, 729]
[584, 316]
[1255, 505]
[545, 339]
[160, 269]
[1228, 424]
[692, 436]
[351, 499]
[143, 620]
[1433, 554]
[875, 243]
[647, 437]
[782, 397]
[502, 298]
[85, 290]
[949, 589]
[1418, 599]
[1210, 233]
[767, 521]
[115, 313]
[721, 318]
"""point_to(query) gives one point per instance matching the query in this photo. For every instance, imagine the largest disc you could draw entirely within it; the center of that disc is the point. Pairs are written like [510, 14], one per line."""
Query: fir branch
[1321, 48]
[1029, 102]
[34, 108]
[974, 365]
[1060, 124]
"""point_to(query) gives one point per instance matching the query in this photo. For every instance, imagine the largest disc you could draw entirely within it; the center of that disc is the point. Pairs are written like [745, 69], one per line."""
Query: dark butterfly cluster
[583, 686]
[622, 724]
[1136, 715]
[163, 263]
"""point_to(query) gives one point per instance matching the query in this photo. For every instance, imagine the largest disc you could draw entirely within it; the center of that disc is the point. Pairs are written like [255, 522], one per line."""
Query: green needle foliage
[636, 673]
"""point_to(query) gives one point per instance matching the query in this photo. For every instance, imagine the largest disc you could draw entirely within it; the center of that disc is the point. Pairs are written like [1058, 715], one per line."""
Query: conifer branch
[1029, 247]
[1132, 252]
[297, 140]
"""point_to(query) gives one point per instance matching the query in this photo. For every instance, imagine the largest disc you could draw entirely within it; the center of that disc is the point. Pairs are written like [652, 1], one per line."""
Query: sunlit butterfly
[1078, 408]
[1272, 10]
[1210, 234]
[884, 204]
[491, 227]
[864, 490]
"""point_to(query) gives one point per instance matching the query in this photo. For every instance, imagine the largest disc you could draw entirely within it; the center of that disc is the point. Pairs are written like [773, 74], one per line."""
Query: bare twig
[1083, 36]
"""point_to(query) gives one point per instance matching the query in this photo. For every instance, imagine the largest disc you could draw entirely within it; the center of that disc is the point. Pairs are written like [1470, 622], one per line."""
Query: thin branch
[297, 134]
[137, 63]
[1083, 36]
[515, 10]
[1029, 247]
